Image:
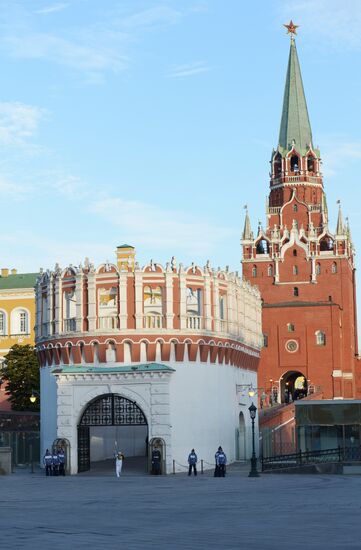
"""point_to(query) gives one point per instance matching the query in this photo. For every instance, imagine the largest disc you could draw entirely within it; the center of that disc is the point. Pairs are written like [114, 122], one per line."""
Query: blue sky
[152, 122]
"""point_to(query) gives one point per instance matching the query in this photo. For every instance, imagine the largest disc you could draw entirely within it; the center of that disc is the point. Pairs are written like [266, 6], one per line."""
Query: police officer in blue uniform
[55, 463]
[61, 457]
[48, 462]
[192, 461]
[221, 461]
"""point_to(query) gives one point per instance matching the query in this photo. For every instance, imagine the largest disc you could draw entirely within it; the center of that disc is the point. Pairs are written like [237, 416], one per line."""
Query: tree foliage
[21, 373]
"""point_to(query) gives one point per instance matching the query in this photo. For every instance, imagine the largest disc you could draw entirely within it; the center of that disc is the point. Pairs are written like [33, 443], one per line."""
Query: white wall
[130, 440]
[205, 410]
[48, 410]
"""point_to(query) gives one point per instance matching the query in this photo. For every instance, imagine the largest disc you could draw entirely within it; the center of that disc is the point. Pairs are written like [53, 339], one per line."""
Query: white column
[216, 301]
[207, 302]
[313, 267]
[58, 305]
[38, 302]
[79, 301]
[182, 300]
[169, 314]
[277, 271]
[123, 302]
[138, 282]
[91, 302]
[50, 295]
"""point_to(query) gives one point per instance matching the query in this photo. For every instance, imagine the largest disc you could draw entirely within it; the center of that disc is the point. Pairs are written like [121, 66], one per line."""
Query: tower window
[311, 164]
[265, 340]
[318, 269]
[295, 164]
[295, 291]
[270, 271]
[295, 208]
[254, 271]
[295, 252]
[334, 268]
[320, 338]
[295, 270]
[290, 327]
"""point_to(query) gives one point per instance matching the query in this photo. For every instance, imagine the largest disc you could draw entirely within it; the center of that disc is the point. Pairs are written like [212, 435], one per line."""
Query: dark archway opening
[293, 386]
[112, 423]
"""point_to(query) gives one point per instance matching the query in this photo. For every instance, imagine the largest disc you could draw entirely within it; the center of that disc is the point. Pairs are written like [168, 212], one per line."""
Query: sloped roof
[20, 280]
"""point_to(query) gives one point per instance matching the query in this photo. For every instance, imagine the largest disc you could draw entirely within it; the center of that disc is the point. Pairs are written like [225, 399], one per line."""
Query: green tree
[21, 373]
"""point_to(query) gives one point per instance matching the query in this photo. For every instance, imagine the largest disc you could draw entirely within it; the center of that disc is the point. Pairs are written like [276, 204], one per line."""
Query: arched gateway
[108, 423]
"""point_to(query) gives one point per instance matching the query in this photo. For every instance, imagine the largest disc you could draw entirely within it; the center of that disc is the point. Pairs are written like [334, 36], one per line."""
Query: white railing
[70, 324]
[153, 321]
[108, 322]
[194, 322]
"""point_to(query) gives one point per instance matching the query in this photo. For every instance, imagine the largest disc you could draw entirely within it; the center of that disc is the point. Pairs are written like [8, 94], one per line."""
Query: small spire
[247, 230]
[340, 227]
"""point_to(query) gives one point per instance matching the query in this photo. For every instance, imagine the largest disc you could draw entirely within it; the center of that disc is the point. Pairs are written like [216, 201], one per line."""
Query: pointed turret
[340, 227]
[295, 123]
[247, 230]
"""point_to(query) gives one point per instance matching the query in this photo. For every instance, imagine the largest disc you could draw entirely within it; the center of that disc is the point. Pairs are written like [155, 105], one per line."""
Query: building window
[265, 340]
[270, 271]
[295, 208]
[222, 312]
[254, 271]
[290, 327]
[295, 252]
[334, 267]
[295, 270]
[318, 269]
[19, 322]
[2, 323]
[295, 164]
[295, 291]
[320, 338]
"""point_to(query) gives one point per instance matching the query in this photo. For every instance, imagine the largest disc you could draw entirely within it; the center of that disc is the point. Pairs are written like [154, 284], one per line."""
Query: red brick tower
[305, 272]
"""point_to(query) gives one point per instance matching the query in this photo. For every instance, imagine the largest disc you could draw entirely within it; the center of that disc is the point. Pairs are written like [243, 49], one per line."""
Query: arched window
[110, 353]
[265, 340]
[290, 327]
[334, 267]
[318, 269]
[277, 165]
[295, 291]
[270, 271]
[326, 244]
[295, 208]
[254, 271]
[3, 328]
[310, 164]
[295, 164]
[294, 252]
[222, 308]
[19, 322]
[262, 247]
[153, 307]
[320, 338]
[295, 270]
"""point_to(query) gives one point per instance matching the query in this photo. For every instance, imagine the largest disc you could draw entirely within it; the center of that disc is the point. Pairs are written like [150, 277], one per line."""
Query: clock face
[291, 346]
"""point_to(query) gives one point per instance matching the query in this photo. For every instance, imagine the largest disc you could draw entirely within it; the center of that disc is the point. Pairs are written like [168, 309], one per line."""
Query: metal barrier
[339, 454]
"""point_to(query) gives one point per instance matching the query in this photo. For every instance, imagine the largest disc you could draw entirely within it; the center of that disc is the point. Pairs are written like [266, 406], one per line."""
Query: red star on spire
[291, 27]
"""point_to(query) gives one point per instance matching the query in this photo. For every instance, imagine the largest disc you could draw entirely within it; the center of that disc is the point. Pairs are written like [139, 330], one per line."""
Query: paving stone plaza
[177, 512]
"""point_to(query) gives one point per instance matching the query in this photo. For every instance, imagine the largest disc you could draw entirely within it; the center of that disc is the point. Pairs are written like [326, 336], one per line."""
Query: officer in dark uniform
[192, 461]
[221, 461]
[61, 457]
[156, 461]
[55, 463]
[48, 462]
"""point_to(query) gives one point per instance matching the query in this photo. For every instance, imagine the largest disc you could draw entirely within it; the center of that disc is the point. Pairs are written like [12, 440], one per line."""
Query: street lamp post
[254, 472]
[34, 396]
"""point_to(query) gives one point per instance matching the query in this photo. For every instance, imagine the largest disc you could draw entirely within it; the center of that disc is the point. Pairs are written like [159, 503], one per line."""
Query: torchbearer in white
[119, 457]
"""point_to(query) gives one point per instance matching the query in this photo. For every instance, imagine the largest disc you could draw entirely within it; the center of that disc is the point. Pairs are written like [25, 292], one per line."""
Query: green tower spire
[295, 123]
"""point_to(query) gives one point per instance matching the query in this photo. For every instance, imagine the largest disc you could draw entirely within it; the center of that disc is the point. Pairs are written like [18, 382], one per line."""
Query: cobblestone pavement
[177, 512]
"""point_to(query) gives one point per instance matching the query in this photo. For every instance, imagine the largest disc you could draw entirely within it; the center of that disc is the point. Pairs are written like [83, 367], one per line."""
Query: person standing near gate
[192, 461]
[48, 462]
[119, 457]
[55, 460]
[156, 461]
[61, 457]
[221, 461]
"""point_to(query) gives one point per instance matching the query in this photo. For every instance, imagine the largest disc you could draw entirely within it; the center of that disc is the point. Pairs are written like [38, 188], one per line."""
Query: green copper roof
[143, 367]
[295, 123]
[125, 246]
[22, 280]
